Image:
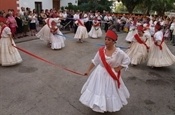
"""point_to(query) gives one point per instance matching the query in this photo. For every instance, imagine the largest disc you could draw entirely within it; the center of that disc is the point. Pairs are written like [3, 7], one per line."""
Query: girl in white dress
[159, 54]
[81, 32]
[9, 55]
[95, 31]
[104, 89]
[138, 49]
[54, 39]
[57, 38]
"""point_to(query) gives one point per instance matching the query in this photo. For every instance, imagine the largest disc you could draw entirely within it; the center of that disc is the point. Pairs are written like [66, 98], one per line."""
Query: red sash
[96, 24]
[160, 46]
[108, 68]
[79, 22]
[2, 30]
[139, 40]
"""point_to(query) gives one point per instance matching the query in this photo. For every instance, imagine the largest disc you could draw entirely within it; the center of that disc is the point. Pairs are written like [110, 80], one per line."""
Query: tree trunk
[130, 9]
[148, 10]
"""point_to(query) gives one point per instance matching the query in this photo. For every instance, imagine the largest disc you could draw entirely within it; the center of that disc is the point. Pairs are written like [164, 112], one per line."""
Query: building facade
[35, 4]
[8, 4]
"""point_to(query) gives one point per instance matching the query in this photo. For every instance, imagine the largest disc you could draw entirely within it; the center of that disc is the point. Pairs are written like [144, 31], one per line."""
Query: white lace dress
[9, 55]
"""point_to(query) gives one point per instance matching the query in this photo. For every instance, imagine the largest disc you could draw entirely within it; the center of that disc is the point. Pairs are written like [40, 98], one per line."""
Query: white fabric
[147, 34]
[172, 27]
[158, 36]
[9, 55]
[100, 92]
[44, 34]
[81, 32]
[95, 32]
[76, 16]
[56, 40]
[157, 57]
[131, 33]
[137, 52]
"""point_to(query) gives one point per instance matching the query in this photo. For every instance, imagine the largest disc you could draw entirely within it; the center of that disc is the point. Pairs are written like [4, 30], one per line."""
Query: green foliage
[148, 6]
[120, 8]
[131, 4]
[93, 5]
[139, 6]
[161, 6]
[72, 7]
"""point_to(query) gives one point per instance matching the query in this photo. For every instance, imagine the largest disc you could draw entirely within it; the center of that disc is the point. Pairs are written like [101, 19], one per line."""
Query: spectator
[11, 22]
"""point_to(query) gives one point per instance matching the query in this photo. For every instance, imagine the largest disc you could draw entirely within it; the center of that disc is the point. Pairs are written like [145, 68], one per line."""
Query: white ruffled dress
[157, 57]
[100, 92]
[137, 52]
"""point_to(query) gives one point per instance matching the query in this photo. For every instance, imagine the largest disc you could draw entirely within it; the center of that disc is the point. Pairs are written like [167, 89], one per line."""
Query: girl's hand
[86, 74]
[117, 69]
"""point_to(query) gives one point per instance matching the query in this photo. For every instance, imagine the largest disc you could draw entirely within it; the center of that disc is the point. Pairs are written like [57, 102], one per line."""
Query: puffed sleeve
[7, 30]
[125, 60]
[158, 36]
[96, 59]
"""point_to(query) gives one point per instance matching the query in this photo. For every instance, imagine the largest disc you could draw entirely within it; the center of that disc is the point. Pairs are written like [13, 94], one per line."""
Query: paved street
[35, 87]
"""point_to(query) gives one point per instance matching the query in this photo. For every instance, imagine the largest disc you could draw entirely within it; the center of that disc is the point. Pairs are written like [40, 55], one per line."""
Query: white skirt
[9, 55]
[130, 35]
[101, 93]
[57, 40]
[44, 34]
[137, 53]
[81, 33]
[160, 58]
[95, 32]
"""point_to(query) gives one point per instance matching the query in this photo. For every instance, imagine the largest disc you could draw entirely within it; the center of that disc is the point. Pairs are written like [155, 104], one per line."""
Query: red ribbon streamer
[47, 61]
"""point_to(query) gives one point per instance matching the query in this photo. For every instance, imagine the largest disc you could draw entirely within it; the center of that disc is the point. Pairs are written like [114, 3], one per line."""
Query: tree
[71, 7]
[147, 4]
[94, 5]
[161, 6]
[130, 4]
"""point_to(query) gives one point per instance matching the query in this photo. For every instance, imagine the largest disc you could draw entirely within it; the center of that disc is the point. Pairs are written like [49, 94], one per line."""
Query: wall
[46, 4]
[8, 4]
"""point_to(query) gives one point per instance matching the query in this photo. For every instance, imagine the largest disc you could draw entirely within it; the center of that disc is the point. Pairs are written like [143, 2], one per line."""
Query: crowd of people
[104, 90]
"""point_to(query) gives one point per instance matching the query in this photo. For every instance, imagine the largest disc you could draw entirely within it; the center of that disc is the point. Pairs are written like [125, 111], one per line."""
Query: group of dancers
[104, 90]
[52, 34]
[148, 47]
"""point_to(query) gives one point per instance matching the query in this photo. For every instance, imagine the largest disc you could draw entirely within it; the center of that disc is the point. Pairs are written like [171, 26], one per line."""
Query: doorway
[56, 4]
[38, 7]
